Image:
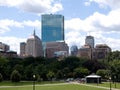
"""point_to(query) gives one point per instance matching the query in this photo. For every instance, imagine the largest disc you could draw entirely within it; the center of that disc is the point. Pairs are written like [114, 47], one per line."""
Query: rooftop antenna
[34, 32]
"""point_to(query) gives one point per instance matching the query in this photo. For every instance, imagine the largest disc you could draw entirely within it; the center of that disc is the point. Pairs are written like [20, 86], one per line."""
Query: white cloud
[74, 38]
[56, 7]
[6, 24]
[30, 23]
[112, 42]
[97, 21]
[113, 4]
[87, 3]
[34, 6]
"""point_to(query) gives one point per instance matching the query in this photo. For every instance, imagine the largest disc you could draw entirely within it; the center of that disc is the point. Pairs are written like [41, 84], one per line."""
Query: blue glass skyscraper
[52, 27]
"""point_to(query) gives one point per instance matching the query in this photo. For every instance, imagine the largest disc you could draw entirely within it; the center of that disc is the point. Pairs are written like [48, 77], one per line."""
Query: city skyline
[98, 18]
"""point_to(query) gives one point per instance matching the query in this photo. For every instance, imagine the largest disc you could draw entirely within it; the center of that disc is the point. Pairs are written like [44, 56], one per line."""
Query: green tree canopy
[50, 75]
[81, 72]
[103, 73]
[114, 67]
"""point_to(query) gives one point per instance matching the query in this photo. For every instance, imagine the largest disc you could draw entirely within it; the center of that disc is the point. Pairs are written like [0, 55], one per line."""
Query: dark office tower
[89, 41]
[52, 27]
[74, 50]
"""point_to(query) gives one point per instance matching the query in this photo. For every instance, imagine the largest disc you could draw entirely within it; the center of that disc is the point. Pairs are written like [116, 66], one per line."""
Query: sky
[98, 18]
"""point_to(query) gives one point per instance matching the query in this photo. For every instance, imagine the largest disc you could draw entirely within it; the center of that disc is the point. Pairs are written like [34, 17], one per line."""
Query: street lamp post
[115, 81]
[33, 82]
[110, 83]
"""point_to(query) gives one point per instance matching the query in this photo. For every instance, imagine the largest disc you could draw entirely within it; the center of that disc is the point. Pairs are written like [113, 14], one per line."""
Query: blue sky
[99, 18]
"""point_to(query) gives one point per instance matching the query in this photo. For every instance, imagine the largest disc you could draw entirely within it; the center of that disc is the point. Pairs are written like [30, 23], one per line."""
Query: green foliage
[115, 55]
[28, 72]
[68, 67]
[50, 75]
[3, 60]
[114, 67]
[93, 65]
[39, 79]
[81, 72]
[60, 75]
[1, 77]
[103, 73]
[15, 76]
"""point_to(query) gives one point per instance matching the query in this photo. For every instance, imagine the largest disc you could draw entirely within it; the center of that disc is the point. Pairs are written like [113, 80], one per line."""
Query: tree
[19, 68]
[115, 55]
[71, 62]
[29, 71]
[93, 65]
[15, 76]
[1, 77]
[114, 67]
[39, 79]
[103, 73]
[50, 75]
[81, 72]
[3, 66]
[59, 74]
[41, 69]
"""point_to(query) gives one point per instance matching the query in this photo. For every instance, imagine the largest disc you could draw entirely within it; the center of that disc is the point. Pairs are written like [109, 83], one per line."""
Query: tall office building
[74, 50]
[34, 46]
[52, 27]
[89, 41]
[101, 51]
[22, 48]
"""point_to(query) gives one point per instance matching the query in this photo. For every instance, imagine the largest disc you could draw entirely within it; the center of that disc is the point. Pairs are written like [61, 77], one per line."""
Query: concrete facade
[34, 46]
[54, 49]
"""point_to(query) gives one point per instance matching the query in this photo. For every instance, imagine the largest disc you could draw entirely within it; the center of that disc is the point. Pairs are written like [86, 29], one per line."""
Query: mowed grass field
[51, 87]
[27, 85]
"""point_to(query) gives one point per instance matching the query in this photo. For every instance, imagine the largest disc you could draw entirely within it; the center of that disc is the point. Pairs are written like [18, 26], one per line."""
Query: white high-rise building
[89, 41]
[34, 46]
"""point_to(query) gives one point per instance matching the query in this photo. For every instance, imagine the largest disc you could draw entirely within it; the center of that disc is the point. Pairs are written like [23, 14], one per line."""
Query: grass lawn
[53, 87]
[27, 85]
[107, 84]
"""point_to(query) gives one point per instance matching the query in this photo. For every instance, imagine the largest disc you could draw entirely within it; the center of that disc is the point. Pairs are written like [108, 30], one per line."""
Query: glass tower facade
[52, 27]
[90, 41]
